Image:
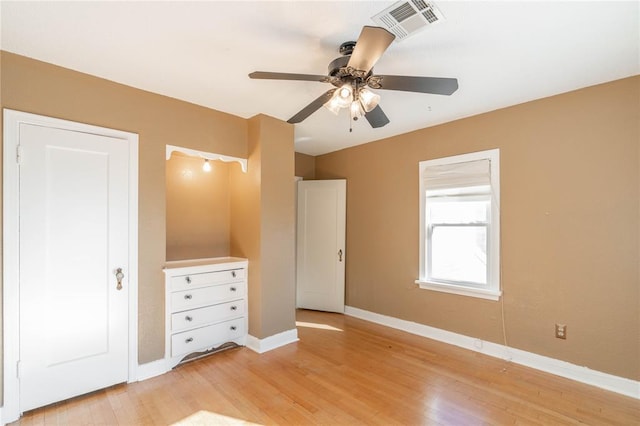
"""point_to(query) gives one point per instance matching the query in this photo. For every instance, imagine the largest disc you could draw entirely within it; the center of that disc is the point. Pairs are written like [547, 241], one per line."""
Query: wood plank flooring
[345, 371]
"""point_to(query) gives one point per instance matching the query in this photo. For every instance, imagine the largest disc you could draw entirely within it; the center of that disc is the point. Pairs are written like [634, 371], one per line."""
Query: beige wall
[570, 226]
[305, 166]
[246, 225]
[197, 208]
[41, 88]
[278, 227]
[267, 237]
[263, 225]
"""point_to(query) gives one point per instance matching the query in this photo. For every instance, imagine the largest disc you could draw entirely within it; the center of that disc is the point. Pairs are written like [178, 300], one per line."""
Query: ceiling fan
[352, 75]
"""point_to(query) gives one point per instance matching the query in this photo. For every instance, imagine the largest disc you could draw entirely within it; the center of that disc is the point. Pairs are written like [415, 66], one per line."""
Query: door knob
[119, 277]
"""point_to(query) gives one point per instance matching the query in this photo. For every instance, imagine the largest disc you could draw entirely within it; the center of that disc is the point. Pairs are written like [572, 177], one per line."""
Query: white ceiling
[502, 53]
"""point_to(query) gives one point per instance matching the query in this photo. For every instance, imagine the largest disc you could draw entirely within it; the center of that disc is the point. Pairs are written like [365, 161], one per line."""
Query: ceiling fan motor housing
[342, 73]
[347, 47]
[337, 64]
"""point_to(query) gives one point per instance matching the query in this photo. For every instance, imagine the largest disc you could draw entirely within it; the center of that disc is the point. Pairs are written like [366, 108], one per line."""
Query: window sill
[460, 290]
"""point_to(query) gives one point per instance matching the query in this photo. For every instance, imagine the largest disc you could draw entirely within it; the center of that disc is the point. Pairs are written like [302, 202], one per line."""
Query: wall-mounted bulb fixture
[207, 155]
[206, 167]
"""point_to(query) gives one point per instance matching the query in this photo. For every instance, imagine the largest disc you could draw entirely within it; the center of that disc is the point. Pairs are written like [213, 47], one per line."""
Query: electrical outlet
[561, 331]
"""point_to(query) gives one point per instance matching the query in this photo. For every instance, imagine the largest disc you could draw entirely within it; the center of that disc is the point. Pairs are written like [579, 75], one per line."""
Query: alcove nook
[198, 203]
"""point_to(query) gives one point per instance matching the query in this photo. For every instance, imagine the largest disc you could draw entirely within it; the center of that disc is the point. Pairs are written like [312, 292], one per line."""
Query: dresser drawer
[184, 282]
[207, 315]
[188, 299]
[206, 337]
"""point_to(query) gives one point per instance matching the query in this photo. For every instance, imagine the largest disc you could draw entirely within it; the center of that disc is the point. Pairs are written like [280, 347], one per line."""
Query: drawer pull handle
[188, 318]
[234, 307]
[233, 328]
[189, 340]
[233, 274]
[232, 289]
[187, 296]
[188, 280]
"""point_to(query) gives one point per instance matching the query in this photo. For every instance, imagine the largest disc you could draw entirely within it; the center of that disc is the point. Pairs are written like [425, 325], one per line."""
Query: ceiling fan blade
[435, 85]
[376, 117]
[371, 44]
[312, 107]
[288, 76]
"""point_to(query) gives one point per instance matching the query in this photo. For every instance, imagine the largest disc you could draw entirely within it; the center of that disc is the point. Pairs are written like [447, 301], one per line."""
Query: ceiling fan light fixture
[333, 105]
[356, 110]
[368, 99]
[344, 95]
[341, 98]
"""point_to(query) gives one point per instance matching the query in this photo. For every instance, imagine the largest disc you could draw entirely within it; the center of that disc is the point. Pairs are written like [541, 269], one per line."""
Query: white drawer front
[188, 299]
[210, 314]
[185, 282]
[206, 337]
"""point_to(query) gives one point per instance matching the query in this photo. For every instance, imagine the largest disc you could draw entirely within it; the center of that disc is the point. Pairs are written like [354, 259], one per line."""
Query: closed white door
[321, 245]
[73, 238]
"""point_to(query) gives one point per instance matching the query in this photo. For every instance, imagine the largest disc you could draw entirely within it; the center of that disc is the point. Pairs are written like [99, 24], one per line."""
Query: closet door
[73, 267]
[321, 245]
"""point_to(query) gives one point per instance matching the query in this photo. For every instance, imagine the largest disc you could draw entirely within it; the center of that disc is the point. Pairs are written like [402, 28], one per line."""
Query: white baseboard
[159, 367]
[565, 369]
[272, 342]
[152, 369]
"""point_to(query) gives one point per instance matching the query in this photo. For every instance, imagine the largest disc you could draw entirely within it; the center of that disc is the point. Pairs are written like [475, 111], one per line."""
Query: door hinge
[18, 153]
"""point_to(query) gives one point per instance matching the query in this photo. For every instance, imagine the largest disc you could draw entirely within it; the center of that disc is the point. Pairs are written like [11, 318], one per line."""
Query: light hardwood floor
[345, 371]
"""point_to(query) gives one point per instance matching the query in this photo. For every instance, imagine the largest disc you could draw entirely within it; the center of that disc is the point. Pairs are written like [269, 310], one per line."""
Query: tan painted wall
[278, 227]
[263, 225]
[570, 226]
[197, 208]
[42, 88]
[246, 225]
[305, 166]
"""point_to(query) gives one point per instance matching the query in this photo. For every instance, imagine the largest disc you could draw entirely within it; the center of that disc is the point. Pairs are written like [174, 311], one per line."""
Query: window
[460, 224]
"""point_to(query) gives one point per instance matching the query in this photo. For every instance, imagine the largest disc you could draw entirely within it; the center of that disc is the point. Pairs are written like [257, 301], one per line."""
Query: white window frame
[492, 290]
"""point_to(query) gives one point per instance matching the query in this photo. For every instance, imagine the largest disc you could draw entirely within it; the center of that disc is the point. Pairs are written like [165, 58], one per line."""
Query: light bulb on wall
[206, 167]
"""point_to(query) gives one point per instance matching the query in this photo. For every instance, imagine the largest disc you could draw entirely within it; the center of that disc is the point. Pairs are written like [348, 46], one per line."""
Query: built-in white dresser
[206, 306]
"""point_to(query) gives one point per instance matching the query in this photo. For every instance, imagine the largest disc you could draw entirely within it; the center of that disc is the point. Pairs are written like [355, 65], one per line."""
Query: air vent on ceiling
[406, 18]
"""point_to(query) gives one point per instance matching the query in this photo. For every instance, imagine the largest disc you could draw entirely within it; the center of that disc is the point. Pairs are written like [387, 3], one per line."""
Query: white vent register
[406, 18]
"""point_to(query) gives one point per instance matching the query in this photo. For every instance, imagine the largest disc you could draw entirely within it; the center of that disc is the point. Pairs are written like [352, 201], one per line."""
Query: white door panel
[321, 245]
[73, 237]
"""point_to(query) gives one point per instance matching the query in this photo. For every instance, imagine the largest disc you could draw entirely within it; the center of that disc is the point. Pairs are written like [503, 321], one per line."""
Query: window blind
[458, 175]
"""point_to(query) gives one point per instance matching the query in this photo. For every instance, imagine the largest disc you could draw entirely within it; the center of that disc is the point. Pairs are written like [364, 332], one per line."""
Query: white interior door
[74, 235]
[321, 244]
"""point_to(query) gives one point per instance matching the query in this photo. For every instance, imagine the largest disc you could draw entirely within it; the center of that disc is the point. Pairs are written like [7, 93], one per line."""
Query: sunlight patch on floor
[316, 325]
[204, 417]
